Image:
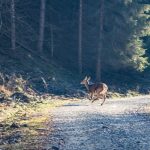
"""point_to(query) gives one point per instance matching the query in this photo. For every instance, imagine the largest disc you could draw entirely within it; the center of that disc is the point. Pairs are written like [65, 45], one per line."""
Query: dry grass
[5, 90]
[36, 117]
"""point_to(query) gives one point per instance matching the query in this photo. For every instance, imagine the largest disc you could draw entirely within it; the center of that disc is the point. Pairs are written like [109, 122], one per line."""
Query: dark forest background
[59, 42]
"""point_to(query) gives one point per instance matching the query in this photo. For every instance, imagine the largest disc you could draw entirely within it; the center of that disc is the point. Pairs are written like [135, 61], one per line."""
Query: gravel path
[117, 125]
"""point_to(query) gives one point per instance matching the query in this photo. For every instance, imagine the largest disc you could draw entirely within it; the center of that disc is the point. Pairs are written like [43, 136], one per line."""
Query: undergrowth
[31, 122]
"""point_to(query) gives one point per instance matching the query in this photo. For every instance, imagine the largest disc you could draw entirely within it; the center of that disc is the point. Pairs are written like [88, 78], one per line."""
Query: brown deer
[96, 91]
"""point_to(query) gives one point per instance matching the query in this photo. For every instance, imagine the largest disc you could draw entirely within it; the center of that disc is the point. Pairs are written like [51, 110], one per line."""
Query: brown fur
[96, 91]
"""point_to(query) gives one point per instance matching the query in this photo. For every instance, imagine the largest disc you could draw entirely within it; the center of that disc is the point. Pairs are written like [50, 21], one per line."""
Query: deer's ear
[89, 78]
[85, 78]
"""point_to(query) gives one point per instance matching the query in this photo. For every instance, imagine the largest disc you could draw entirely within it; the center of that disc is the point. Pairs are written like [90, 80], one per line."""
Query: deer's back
[98, 88]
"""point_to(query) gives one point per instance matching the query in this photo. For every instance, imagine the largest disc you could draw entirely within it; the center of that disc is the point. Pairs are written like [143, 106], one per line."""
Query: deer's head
[85, 81]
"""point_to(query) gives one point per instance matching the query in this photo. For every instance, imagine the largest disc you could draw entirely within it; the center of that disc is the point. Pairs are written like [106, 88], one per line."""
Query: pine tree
[13, 25]
[125, 24]
[80, 38]
[42, 25]
[100, 45]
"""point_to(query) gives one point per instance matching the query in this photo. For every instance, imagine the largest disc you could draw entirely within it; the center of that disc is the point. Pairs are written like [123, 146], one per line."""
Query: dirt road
[117, 125]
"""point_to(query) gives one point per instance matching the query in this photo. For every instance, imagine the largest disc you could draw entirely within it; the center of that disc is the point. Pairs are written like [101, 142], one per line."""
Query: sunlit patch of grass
[133, 93]
[114, 95]
[34, 120]
[129, 93]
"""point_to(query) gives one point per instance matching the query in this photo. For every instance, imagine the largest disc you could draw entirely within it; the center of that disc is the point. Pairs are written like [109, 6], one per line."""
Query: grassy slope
[33, 119]
[32, 66]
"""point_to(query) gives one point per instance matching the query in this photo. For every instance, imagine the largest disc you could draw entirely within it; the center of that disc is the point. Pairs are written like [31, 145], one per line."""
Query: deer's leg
[104, 99]
[92, 94]
[90, 97]
[96, 98]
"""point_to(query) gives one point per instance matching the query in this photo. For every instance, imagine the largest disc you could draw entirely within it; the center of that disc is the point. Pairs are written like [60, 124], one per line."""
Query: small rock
[2, 98]
[21, 97]
[14, 125]
[104, 127]
[1, 125]
[24, 125]
[55, 148]
[138, 142]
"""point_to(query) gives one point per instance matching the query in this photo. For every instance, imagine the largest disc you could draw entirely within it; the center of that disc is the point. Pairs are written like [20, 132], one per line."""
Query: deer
[96, 90]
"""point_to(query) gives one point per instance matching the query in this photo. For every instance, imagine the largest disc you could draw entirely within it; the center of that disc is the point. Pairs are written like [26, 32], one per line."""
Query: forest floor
[24, 126]
[78, 124]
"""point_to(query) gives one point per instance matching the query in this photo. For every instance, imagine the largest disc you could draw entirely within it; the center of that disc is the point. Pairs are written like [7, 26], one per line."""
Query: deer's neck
[87, 86]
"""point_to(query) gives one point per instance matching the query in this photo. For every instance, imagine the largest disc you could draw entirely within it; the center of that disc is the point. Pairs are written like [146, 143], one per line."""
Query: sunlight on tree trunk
[52, 41]
[13, 26]
[42, 24]
[100, 44]
[1, 23]
[80, 39]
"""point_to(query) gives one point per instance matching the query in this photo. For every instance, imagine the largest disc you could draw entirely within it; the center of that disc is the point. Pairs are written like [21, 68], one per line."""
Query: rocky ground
[122, 124]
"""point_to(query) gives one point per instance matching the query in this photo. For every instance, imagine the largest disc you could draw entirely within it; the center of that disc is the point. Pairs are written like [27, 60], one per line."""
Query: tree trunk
[100, 45]
[80, 39]
[13, 26]
[1, 23]
[52, 41]
[42, 24]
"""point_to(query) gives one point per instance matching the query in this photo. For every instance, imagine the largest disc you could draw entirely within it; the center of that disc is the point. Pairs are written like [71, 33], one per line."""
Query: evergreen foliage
[125, 40]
